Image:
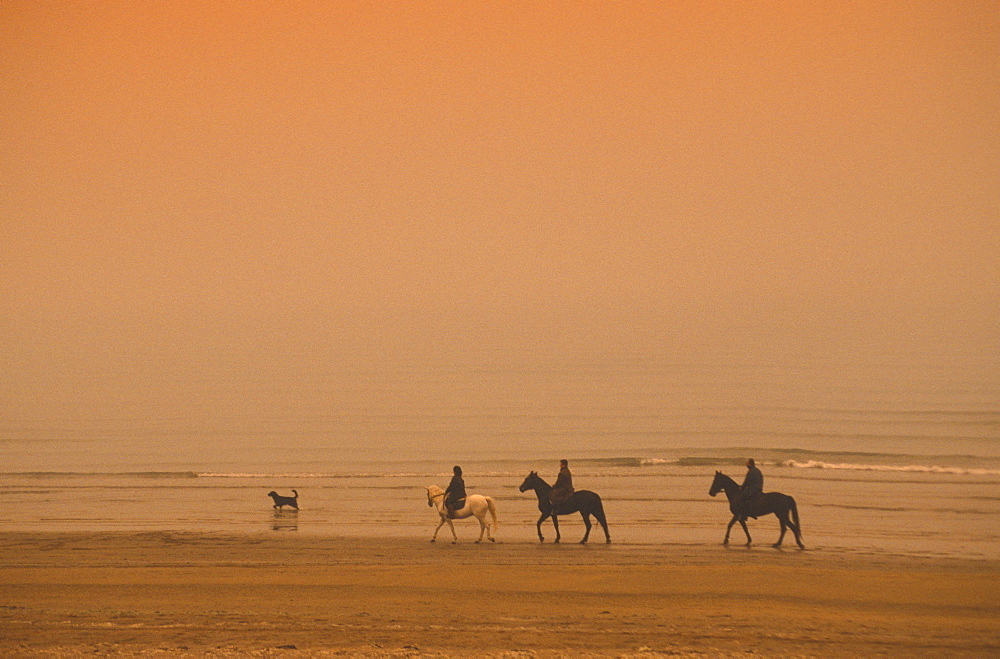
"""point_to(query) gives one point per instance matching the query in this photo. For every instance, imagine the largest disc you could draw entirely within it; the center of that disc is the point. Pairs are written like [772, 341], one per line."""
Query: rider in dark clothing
[454, 495]
[753, 484]
[563, 489]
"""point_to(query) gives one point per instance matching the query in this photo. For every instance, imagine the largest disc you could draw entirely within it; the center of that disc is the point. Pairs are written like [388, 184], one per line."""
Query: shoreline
[195, 594]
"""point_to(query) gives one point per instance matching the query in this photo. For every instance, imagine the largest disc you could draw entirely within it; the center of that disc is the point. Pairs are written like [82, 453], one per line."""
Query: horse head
[433, 492]
[529, 481]
[726, 484]
[716, 484]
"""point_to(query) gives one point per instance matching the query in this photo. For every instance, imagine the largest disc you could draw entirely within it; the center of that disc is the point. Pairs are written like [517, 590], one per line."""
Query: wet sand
[290, 594]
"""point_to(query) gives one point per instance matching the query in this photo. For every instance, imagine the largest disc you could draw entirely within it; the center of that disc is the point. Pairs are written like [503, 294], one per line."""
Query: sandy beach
[198, 594]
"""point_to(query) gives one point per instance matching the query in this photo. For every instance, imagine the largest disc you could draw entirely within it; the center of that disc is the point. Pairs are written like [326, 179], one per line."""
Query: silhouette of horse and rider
[562, 499]
[750, 500]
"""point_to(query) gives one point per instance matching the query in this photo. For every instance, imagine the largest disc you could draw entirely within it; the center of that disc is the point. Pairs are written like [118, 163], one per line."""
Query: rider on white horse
[474, 505]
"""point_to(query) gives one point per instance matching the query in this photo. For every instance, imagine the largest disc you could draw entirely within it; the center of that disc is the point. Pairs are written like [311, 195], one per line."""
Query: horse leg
[599, 514]
[541, 519]
[729, 528]
[555, 523]
[454, 536]
[797, 527]
[586, 522]
[434, 537]
[784, 528]
[492, 510]
[482, 527]
[743, 523]
[486, 527]
[796, 531]
[798, 535]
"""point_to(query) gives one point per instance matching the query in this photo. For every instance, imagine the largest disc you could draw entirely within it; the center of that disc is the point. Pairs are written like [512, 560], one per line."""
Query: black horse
[765, 504]
[585, 502]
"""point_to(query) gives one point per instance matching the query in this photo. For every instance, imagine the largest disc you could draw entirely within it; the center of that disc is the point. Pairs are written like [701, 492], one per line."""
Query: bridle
[717, 486]
[431, 498]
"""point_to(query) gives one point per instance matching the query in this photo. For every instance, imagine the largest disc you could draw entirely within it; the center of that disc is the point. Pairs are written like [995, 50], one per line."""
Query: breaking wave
[105, 474]
[922, 469]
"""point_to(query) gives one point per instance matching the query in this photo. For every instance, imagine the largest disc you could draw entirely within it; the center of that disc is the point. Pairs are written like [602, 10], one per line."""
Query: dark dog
[280, 501]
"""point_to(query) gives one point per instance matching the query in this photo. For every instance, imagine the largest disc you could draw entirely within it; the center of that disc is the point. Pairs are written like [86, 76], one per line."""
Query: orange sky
[184, 178]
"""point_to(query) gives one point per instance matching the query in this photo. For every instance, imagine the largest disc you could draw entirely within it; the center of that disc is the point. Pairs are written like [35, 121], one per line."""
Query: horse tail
[795, 514]
[599, 513]
[493, 513]
[598, 506]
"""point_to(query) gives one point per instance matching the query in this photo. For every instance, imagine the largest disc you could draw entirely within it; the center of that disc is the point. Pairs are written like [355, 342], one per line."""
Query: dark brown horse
[585, 502]
[767, 503]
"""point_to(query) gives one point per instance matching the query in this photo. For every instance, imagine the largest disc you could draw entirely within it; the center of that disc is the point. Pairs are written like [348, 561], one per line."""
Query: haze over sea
[886, 456]
[341, 247]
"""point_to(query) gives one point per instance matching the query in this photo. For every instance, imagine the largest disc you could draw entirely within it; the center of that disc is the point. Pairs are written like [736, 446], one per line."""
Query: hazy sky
[301, 182]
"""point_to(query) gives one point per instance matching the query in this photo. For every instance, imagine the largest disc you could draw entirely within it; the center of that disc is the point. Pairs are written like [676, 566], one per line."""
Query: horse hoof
[433, 540]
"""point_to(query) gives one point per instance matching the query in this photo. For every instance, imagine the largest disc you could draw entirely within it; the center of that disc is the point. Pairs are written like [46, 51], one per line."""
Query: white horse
[475, 505]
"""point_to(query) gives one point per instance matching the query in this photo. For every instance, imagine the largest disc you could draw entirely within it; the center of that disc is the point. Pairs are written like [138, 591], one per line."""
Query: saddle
[751, 507]
[451, 506]
[559, 506]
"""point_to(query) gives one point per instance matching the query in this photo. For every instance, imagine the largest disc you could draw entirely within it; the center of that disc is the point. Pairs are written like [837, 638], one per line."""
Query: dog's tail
[295, 493]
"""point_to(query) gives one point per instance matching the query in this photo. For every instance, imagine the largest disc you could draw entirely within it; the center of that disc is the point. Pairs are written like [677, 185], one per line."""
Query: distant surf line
[928, 469]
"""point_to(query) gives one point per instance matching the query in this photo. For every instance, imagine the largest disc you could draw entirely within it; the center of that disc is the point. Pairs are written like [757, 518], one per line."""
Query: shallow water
[879, 460]
[944, 514]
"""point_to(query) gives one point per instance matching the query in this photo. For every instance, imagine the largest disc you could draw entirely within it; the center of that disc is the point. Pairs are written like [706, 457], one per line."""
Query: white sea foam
[312, 475]
[652, 462]
[925, 469]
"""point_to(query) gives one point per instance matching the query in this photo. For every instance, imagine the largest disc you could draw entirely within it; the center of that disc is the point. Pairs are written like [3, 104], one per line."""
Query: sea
[891, 456]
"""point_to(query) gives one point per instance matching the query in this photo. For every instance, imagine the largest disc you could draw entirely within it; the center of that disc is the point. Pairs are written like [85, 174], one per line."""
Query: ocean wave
[709, 462]
[902, 509]
[315, 475]
[659, 462]
[102, 474]
[911, 468]
[626, 461]
[855, 456]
